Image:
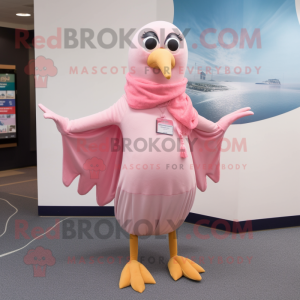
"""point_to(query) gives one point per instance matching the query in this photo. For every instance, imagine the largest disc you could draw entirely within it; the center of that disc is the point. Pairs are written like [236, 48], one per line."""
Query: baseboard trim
[250, 225]
[207, 221]
[76, 211]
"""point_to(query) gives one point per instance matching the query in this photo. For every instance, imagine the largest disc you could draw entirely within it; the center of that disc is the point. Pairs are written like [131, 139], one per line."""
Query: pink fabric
[89, 139]
[152, 214]
[144, 94]
[206, 148]
[88, 154]
[206, 125]
[148, 171]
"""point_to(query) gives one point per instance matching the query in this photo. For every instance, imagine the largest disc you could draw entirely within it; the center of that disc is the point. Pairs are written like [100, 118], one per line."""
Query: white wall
[268, 187]
[297, 4]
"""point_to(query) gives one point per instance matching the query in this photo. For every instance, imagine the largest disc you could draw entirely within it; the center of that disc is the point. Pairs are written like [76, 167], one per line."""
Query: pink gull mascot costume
[141, 151]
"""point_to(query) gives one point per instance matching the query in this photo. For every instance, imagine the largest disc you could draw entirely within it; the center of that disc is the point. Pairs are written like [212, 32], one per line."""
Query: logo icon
[39, 258]
[94, 165]
[41, 68]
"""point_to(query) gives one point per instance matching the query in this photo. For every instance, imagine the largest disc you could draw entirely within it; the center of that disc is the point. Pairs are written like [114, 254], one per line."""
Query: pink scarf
[144, 94]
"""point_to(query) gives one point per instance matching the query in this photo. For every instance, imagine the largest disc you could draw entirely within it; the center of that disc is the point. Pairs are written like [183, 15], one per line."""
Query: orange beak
[162, 59]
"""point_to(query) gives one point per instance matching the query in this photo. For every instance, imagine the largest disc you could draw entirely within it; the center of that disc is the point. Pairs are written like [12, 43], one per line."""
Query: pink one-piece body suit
[156, 188]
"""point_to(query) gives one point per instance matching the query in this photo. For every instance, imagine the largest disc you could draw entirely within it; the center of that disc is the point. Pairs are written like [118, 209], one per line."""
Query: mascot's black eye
[150, 43]
[172, 44]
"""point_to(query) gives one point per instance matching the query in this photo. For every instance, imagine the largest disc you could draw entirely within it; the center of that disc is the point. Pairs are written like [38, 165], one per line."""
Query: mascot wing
[91, 155]
[95, 155]
[206, 148]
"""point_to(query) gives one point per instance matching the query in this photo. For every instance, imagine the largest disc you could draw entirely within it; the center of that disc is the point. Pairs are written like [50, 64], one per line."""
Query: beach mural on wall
[241, 53]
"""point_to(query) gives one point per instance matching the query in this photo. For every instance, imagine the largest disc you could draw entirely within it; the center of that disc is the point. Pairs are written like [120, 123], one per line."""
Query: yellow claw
[196, 266]
[136, 279]
[136, 275]
[174, 269]
[125, 277]
[179, 265]
[147, 277]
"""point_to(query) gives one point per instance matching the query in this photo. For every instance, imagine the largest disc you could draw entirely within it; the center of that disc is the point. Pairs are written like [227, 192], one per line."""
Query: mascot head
[158, 53]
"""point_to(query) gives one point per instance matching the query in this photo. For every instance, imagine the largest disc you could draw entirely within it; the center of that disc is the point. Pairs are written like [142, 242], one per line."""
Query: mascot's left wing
[206, 148]
[95, 155]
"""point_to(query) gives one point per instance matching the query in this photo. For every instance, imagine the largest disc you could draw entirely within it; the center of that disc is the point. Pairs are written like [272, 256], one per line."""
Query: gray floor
[273, 272]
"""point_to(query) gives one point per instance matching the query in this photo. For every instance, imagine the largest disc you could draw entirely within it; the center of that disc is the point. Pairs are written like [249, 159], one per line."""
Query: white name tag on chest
[164, 126]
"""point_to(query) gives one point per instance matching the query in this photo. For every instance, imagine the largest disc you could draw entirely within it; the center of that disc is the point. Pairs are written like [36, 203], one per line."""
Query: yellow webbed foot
[179, 265]
[136, 275]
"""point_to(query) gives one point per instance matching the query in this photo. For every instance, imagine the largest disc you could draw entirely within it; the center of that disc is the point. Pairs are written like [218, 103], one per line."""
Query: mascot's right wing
[95, 155]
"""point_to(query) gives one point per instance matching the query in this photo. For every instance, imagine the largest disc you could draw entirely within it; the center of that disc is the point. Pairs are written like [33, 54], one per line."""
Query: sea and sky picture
[241, 53]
